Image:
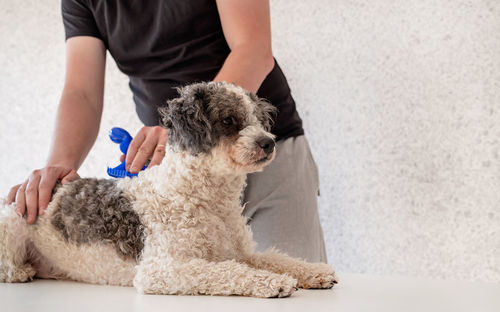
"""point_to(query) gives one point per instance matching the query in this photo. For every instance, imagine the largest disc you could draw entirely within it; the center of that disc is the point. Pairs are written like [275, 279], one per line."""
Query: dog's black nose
[266, 144]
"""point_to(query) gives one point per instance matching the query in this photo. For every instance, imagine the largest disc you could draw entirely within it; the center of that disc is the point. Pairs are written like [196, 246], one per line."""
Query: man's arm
[77, 125]
[247, 29]
[80, 109]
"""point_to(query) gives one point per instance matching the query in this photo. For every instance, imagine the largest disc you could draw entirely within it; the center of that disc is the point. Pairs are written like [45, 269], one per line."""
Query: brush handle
[122, 137]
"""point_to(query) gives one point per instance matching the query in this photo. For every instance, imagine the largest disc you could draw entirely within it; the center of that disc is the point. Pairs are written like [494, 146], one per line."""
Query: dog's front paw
[275, 286]
[318, 275]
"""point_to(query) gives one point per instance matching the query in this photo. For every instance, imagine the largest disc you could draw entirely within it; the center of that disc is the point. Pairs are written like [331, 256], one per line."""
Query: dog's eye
[229, 121]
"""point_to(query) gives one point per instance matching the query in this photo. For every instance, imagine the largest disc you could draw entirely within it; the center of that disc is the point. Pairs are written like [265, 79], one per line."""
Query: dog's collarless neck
[197, 177]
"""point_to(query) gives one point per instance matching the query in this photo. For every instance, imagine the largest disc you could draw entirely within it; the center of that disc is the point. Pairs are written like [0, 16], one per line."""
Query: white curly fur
[196, 239]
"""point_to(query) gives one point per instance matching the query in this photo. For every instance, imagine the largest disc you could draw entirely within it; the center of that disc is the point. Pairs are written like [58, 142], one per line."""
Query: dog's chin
[255, 165]
[264, 161]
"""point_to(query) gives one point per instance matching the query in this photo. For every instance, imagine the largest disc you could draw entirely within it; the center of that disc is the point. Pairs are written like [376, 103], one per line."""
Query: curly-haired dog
[175, 229]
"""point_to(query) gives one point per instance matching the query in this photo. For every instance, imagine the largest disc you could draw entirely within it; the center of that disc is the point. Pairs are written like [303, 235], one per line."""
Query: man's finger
[143, 154]
[47, 183]
[133, 148]
[12, 194]
[20, 199]
[32, 198]
[159, 152]
[70, 177]
[158, 155]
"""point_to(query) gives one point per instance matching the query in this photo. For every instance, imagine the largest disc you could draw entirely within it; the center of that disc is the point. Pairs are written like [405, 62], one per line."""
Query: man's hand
[33, 196]
[148, 144]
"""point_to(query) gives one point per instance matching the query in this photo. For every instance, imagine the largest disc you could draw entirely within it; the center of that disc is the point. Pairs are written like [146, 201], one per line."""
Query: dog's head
[222, 119]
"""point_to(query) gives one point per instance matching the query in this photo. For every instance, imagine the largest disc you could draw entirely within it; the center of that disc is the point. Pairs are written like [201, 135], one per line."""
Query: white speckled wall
[400, 101]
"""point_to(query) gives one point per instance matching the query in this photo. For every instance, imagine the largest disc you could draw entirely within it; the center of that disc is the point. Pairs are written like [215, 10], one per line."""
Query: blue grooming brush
[122, 137]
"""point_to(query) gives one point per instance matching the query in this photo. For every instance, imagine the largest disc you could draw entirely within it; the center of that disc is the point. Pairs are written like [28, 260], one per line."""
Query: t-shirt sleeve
[78, 19]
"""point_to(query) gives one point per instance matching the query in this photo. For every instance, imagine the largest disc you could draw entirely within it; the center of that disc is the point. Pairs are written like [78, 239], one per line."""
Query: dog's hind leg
[13, 242]
[200, 277]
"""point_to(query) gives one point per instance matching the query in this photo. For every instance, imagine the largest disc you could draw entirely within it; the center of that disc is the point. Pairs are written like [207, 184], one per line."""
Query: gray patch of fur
[186, 117]
[95, 210]
[195, 118]
[266, 112]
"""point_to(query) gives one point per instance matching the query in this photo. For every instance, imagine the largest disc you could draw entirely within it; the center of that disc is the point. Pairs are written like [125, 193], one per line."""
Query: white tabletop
[353, 293]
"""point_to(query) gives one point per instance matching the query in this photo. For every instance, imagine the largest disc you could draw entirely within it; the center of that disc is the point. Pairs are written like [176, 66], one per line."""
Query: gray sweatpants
[282, 203]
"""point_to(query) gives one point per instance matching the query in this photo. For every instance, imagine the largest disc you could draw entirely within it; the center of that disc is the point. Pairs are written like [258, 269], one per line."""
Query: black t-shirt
[163, 44]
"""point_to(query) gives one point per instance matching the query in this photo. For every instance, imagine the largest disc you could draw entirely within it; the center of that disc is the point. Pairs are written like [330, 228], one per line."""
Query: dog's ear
[266, 112]
[187, 120]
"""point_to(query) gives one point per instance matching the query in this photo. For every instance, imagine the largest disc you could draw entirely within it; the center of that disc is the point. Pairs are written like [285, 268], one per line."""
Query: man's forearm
[246, 67]
[77, 125]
